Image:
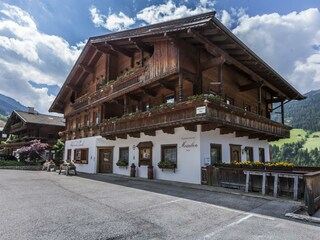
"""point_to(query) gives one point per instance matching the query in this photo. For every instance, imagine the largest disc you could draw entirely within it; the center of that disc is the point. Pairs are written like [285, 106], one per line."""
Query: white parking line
[210, 235]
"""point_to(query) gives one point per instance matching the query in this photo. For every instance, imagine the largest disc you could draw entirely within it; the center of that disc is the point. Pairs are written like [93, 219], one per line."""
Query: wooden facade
[156, 77]
[27, 126]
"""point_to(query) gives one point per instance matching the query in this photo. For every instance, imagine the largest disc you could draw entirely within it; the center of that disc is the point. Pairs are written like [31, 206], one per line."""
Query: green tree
[59, 149]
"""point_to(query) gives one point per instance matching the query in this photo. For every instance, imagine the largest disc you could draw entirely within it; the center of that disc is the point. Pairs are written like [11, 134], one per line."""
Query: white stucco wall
[90, 143]
[192, 150]
[188, 164]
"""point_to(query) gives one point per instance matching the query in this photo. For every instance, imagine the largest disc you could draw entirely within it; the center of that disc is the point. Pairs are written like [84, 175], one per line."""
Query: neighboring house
[3, 136]
[27, 126]
[136, 95]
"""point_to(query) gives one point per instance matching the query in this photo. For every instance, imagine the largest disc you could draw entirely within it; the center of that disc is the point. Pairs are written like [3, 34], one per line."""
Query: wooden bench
[67, 169]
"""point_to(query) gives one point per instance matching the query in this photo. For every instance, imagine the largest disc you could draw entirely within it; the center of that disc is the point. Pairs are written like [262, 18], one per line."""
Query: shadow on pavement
[230, 199]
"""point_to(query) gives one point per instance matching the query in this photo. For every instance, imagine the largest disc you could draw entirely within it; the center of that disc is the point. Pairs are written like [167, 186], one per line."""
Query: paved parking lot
[42, 205]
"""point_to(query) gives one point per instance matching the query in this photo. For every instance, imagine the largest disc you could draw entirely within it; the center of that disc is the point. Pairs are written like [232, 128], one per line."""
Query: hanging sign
[201, 110]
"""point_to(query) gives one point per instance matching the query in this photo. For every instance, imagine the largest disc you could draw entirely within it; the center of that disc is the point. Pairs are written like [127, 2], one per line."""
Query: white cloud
[112, 21]
[286, 43]
[26, 54]
[169, 11]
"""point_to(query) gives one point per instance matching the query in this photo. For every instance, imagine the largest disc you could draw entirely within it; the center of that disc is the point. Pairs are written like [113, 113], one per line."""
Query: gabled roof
[35, 118]
[202, 30]
[38, 118]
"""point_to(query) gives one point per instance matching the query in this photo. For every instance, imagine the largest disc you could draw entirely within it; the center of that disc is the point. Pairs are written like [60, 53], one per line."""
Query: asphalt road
[42, 205]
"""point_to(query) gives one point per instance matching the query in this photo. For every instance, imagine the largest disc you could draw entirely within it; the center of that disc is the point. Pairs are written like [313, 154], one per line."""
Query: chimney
[31, 110]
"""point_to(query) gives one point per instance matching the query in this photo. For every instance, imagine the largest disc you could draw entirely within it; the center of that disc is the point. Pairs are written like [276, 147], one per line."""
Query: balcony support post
[180, 87]
[282, 112]
[220, 80]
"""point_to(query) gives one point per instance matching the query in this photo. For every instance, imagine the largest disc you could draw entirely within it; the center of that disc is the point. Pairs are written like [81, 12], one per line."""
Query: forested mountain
[304, 114]
[7, 105]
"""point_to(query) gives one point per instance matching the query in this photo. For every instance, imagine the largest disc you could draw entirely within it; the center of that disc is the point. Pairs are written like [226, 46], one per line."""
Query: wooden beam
[134, 97]
[226, 130]
[142, 46]
[122, 136]
[149, 92]
[150, 132]
[212, 62]
[219, 38]
[255, 135]
[86, 68]
[105, 50]
[167, 86]
[228, 46]
[169, 130]
[241, 134]
[250, 86]
[208, 127]
[190, 127]
[120, 50]
[275, 100]
[134, 134]
[110, 137]
[210, 31]
[192, 77]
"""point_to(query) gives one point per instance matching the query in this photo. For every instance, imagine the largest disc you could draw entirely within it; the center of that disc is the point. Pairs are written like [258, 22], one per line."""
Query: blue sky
[40, 40]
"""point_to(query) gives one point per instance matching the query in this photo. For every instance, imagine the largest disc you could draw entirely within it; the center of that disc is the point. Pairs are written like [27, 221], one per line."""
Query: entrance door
[235, 152]
[105, 160]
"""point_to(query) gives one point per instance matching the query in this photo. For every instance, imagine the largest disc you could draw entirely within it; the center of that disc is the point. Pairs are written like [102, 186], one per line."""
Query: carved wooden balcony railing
[123, 85]
[214, 115]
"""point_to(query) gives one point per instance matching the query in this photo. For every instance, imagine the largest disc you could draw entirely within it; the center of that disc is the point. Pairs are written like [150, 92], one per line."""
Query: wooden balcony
[210, 115]
[138, 78]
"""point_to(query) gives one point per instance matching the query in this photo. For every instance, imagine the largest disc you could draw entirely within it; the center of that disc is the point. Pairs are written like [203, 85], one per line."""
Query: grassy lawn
[296, 135]
[312, 141]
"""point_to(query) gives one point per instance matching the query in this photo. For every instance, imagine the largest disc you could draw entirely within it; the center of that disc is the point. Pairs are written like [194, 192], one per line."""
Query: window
[261, 155]
[79, 122]
[229, 100]
[215, 153]
[69, 154]
[169, 99]
[145, 106]
[81, 155]
[249, 153]
[235, 151]
[124, 153]
[87, 120]
[169, 153]
[247, 107]
[96, 117]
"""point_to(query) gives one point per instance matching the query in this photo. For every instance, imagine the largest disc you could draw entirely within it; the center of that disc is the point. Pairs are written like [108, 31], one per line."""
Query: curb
[201, 187]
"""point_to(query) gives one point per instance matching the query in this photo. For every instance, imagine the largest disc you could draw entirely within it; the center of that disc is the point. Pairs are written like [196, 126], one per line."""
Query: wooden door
[235, 152]
[106, 160]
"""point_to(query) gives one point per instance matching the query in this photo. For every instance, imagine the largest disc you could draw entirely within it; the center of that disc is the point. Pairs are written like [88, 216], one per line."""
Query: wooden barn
[185, 93]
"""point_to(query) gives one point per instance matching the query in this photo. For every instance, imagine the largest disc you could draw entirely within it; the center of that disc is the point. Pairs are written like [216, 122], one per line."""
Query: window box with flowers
[122, 163]
[279, 166]
[166, 164]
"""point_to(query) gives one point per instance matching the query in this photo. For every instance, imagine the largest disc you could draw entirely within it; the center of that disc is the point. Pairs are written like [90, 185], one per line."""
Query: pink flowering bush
[33, 152]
